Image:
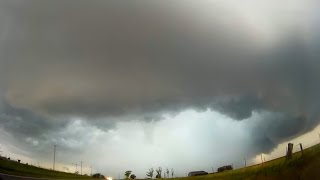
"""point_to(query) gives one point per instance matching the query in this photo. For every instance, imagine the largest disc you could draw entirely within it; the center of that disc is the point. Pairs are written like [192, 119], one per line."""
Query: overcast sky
[131, 85]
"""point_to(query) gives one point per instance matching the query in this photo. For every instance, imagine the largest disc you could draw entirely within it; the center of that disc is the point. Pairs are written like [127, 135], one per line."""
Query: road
[13, 177]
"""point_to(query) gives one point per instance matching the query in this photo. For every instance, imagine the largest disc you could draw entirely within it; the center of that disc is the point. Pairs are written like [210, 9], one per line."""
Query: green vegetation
[306, 166]
[19, 169]
[127, 174]
[150, 173]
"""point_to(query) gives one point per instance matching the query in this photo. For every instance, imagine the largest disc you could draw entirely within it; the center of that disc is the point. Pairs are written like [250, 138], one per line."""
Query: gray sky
[139, 84]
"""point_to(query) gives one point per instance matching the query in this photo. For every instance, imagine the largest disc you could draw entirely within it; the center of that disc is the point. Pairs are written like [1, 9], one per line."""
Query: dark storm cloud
[26, 123]
[33, 135]
[239, 107]
[138, 60]
[276, 127]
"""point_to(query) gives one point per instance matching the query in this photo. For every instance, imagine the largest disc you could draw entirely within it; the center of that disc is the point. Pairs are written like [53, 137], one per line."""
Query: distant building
[197, 173]
[225, 168]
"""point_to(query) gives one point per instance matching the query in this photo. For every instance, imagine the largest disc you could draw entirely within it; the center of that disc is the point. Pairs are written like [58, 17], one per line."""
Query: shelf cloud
[110, 62]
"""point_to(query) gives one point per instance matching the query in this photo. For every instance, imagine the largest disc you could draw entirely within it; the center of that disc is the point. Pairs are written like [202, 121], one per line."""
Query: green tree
[133, 176]
[127, 174]
[172, 172]
[98, 175]
[150, 173]
[159, 171]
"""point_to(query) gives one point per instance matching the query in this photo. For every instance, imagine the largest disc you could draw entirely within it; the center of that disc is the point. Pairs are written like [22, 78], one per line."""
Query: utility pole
[54, 156]
[91, 170]
[81, 167]
[76, 166]
[245, 162]
[261, 159]
[0, 150]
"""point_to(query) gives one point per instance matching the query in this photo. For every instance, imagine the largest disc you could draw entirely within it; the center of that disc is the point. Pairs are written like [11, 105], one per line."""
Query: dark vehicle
[197, 173]
[225, 168]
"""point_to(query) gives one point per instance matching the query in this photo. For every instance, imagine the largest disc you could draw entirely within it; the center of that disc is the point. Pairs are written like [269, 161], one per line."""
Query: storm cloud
[107, 62]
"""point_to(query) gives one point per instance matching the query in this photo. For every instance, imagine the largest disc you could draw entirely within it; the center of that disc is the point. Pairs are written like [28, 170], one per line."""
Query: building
[197, 173]
[225, 168]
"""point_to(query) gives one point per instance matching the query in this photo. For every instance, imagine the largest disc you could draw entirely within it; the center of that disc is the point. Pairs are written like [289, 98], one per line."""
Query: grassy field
[15, 168]
[306, 166]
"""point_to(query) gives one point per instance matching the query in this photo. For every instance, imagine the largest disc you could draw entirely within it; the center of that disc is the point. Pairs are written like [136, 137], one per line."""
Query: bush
[98, 175]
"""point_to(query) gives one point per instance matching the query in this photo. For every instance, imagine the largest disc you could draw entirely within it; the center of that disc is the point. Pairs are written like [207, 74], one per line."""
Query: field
[306, 166]
[15, 168]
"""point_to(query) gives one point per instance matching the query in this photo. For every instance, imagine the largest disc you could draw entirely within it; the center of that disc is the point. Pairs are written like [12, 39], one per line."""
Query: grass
[306, 166]
[19, 169]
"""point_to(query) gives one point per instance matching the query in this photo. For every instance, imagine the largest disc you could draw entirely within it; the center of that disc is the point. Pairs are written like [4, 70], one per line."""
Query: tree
[98, 175]
[133, 176]
[150, 173]
[168, 173]
[127, 174]
[172, 172]
[159, 171]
